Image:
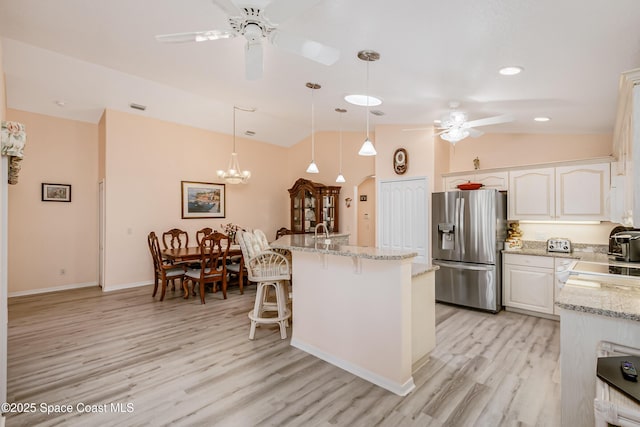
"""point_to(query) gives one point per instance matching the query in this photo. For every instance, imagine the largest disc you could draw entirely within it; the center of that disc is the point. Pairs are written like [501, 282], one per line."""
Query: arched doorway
[367, 212]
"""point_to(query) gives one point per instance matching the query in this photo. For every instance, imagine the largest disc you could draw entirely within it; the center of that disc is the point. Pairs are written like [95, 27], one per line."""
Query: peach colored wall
[367, 213]
[146, 159]
[354, 168]
[420, 152]
[48, 237]
[102, 144]
[503, 150]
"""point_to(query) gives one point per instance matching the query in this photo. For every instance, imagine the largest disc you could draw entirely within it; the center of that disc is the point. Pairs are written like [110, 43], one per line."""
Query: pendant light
[367, 148]
[235, 175]
[340, 177]
[313, 168]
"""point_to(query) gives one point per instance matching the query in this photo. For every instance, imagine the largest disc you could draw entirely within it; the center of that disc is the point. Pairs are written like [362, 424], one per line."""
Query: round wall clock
[400, 161]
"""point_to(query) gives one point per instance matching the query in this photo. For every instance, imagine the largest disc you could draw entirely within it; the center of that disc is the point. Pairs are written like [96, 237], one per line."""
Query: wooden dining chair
[214, 250]
[163, 271]
[175, 238]
[203, 233]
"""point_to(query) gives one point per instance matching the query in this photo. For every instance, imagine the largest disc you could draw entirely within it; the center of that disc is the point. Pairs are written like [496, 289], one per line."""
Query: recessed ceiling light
[541, 119]
[510, 71]
[361, 100]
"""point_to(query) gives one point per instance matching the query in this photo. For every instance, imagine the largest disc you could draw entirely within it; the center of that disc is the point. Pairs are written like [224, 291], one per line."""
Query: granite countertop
[307, 243]
[419, 269]
[584, 252]
[611, 300]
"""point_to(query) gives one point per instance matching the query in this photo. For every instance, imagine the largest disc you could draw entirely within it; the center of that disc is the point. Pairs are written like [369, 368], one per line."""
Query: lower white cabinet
[528, 282]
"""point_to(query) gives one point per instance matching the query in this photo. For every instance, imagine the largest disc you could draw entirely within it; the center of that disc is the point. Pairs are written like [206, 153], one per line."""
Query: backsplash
[576, 247]
[588, 234]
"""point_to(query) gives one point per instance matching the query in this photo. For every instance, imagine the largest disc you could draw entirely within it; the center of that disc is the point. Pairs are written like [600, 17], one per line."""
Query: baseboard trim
[52, 289]
[532, 313]
[372, 377]
[122, 286]
[2, 421]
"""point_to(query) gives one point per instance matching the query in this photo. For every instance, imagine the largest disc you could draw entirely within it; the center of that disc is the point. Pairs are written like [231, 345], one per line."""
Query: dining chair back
[214, 249]
[202, 233]
[175, 238]
[162, 271]
[283, 231]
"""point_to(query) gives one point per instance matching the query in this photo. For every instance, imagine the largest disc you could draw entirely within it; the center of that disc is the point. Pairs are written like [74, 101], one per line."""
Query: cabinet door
[532, 194]
[451, 182]
[562, 268]
[528, 288]
[582, 192]
[497, 180]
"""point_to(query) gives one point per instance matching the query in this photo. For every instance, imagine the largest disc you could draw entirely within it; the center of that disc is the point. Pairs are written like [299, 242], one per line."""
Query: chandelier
[235, 175]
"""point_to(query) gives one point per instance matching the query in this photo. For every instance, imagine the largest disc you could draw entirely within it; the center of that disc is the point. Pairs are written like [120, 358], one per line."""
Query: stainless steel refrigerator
[468, 232]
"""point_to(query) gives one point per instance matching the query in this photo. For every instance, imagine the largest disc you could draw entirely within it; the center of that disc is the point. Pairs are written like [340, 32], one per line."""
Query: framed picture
[203, 200]
[56, 192]
[363, 198]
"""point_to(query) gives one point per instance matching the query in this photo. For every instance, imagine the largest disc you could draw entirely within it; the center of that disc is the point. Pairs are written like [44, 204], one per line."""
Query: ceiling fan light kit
[511, 70]
[368, 56]
[234, 174]
[454, 126]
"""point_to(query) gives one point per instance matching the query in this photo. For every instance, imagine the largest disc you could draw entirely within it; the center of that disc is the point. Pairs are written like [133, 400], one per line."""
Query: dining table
[193, 253]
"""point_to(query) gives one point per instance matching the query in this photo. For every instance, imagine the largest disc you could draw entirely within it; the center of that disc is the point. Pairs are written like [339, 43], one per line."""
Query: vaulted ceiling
[91, 55]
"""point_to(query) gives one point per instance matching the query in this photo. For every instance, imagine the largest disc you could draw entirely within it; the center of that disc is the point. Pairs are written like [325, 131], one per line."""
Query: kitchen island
[368, 311]
[599, 311]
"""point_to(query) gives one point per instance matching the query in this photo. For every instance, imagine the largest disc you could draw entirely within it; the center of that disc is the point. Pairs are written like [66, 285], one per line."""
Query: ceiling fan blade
[490, 121]
[412, 129]
[278, 11]
[195, 36]
[253, 61]
[228, 7]
[474, 133]
[310, 49]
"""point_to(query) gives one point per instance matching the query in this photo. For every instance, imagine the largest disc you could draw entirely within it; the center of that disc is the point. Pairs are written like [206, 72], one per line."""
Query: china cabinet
[313, 203]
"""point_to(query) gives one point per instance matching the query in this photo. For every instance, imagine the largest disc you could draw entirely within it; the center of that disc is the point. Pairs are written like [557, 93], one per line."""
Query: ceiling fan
[257, 23]
[454, 127]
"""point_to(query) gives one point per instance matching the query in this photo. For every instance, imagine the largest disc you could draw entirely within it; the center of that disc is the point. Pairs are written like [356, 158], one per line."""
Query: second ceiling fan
[257, 24]
[454, 126]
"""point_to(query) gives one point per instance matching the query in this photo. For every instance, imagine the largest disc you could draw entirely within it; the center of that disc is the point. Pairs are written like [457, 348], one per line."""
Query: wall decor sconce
[347, 202]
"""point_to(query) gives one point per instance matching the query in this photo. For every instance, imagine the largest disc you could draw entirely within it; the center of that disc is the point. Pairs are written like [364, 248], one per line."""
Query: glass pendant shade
[234, 174]
[367, 148]
[313, 168]
[340, 178]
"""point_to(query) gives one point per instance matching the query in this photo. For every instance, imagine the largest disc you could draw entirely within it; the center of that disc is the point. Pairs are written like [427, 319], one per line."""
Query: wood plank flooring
[181, 363]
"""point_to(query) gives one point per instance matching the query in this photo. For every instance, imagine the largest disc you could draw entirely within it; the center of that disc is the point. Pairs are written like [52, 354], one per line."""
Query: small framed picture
[203, 200]
[56, 192]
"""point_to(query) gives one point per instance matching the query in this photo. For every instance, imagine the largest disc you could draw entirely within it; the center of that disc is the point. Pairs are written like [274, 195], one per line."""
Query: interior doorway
[367, 212]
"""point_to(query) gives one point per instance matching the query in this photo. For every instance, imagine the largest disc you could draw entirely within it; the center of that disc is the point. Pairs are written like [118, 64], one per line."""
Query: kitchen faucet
[326, 230]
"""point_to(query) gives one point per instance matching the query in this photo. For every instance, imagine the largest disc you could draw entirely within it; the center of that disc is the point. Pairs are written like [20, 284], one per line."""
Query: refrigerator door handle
[464, 266]
[456, 234]
[461, 226]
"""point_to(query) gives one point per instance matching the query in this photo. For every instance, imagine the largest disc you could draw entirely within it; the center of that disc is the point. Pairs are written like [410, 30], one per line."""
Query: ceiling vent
[138, 106]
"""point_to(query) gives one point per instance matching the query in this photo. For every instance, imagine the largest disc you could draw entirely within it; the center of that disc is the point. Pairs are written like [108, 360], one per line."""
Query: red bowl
[470, 186]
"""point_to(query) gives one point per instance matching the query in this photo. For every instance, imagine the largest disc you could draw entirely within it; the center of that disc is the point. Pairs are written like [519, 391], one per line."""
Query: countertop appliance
[557, 244]
[614, 247]
[629, 242]
[468, 229]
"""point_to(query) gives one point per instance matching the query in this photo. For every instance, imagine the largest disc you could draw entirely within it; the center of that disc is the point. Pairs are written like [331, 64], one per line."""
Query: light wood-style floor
[181, 363]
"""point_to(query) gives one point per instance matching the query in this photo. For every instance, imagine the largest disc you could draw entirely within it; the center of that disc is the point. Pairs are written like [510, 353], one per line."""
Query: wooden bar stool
[269, 270]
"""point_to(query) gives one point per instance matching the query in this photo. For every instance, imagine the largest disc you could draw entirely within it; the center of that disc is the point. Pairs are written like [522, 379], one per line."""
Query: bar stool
[269, 270]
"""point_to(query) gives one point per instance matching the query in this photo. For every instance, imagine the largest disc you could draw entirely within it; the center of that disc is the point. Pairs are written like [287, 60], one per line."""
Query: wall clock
[400, 161]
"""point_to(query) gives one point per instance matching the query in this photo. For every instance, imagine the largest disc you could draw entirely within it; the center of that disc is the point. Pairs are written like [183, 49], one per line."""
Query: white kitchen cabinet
[562, 267]
[528, 282]
[498, 180]
[582, 192]
[532, 194]
[563, 193]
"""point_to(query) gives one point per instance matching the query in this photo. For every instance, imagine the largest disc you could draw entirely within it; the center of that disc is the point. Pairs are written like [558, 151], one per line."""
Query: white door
[403, 216]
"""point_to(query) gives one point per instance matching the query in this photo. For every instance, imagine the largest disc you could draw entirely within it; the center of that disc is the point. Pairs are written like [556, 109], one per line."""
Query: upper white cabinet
[582, 192]
[498, 180]
[532, 194]
[575, 192]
